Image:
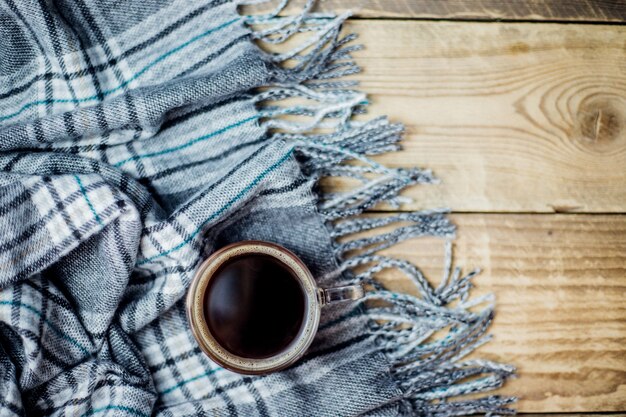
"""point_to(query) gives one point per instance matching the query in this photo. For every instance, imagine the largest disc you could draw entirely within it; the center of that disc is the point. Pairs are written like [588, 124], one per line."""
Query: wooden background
[520, 108]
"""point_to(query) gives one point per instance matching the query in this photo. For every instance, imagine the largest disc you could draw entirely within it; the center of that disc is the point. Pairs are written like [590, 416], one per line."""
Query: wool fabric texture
[137, 138]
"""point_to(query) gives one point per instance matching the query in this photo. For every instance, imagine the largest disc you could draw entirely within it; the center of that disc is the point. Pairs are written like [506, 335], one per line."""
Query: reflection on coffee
[254, 306]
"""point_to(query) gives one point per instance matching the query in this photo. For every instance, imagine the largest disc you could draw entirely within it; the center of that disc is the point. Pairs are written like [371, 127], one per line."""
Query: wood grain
[512, 117]
[560, 284]
[544, 10]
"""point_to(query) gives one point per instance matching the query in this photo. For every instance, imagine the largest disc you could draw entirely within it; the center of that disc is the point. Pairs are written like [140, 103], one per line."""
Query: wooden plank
[560, 285]
[513, 117]
[545, 10]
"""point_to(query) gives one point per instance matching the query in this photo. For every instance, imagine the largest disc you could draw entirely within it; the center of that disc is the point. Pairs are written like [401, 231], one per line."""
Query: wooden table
[520, 108]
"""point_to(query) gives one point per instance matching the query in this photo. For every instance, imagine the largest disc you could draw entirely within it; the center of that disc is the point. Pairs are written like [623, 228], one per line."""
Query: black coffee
[254, 306]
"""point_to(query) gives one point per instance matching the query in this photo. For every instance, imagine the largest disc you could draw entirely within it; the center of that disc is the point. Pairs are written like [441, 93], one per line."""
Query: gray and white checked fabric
[131, 148]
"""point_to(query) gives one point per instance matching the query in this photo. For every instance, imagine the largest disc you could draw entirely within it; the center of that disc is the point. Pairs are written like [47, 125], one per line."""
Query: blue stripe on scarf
[188, 144]
[91, 207]
[128, 410]
[125, 83]
[221, 210]
[52, 326]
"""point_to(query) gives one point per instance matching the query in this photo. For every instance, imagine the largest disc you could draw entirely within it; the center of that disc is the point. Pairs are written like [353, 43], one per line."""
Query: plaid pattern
[131, 149]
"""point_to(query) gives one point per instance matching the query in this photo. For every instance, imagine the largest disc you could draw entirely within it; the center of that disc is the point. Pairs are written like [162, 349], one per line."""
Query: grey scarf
[138, 137]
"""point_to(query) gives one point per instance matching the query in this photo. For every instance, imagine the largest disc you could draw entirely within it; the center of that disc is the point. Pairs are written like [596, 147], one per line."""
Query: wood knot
[602, 122]
[519, 48]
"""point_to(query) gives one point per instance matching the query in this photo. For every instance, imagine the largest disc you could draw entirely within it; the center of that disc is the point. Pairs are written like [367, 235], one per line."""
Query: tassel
[427, 337]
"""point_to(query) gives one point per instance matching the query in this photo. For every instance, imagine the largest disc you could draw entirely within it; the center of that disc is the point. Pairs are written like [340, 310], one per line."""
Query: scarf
[137, 138]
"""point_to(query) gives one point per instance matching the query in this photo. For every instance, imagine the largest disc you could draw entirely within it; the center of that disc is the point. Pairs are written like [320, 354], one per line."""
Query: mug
[254, 307]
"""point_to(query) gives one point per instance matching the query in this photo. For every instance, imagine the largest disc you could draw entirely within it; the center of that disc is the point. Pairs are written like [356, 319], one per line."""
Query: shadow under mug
[249, 281]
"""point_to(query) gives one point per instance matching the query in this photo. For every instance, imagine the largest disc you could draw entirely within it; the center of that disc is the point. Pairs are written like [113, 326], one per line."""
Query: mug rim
[200, 328]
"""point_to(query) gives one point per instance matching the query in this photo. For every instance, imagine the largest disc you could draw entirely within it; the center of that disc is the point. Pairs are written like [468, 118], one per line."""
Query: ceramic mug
[254, 307]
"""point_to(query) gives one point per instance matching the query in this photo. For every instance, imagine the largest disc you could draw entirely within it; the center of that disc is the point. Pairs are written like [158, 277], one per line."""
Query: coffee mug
[254, 307]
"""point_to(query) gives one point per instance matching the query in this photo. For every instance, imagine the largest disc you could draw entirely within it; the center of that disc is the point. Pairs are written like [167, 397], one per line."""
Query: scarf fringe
[426, 339]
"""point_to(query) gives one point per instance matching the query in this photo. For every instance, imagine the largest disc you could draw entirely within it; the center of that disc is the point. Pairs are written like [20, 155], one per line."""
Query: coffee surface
[254, 306]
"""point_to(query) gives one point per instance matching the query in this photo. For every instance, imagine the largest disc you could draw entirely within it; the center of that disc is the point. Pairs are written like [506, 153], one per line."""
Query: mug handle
[345, 293]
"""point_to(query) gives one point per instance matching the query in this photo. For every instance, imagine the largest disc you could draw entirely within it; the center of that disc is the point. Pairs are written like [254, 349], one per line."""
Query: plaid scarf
[138, 137]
